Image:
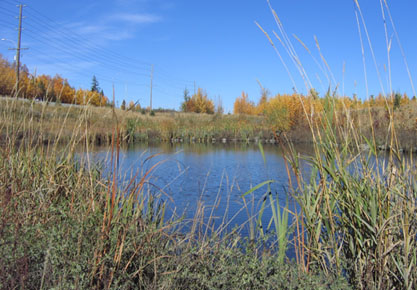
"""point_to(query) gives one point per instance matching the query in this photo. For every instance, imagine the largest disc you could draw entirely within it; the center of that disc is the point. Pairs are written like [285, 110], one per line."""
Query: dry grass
[50, 120]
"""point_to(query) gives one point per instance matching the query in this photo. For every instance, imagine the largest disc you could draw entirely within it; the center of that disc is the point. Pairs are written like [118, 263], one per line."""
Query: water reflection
[214, 174]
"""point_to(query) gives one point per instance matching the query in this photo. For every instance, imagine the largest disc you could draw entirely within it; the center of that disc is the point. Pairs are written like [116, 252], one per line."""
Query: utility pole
[150, 106]
[19, 37]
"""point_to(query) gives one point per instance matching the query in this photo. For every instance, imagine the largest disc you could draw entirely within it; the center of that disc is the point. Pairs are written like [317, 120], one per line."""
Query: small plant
[279, 216]
[131, 126]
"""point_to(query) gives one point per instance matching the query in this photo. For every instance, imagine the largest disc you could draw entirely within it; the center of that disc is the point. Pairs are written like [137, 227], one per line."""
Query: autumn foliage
[44, 87]
[244, 106]
[285, 112]
[198, 103]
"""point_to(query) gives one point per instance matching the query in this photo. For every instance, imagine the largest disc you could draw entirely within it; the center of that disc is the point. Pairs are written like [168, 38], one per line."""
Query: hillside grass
[49, 120]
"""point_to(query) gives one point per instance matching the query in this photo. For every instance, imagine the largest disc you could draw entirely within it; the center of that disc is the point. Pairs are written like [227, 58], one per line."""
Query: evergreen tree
[397, 101]
[94, 85]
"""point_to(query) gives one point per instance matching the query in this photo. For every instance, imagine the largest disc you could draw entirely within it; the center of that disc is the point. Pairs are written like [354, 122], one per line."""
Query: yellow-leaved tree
[45, 87]
[284, 111]
[198, 103]
[7, 77]
[243, 105]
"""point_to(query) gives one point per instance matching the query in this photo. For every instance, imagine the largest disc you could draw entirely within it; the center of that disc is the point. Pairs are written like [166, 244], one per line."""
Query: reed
[357, 213]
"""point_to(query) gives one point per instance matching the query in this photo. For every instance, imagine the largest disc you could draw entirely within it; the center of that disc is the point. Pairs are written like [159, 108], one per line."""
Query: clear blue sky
[215, 44]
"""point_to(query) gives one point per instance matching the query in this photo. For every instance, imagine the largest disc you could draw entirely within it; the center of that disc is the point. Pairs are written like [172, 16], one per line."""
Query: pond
[213, 175]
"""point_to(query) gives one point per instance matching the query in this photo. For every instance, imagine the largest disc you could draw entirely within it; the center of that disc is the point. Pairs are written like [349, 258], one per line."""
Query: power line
[165, 74]
[77, 44]
[9, 13]
[76, 70]
[11, 25]
[74, 46]
[122, 67]
[11, 3]
[80, 39]
[86, 58]
[110, 79]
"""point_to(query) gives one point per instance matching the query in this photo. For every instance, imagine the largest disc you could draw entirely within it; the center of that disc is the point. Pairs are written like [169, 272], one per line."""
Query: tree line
[286, 111]
[45, 87]
[282, 111]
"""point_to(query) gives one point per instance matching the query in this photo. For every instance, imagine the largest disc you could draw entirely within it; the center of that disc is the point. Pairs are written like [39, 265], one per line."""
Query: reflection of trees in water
[204, 148]
[200, 148]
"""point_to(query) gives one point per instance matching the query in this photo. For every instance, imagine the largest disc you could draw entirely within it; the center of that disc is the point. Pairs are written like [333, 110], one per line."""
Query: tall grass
[63, 224]
[358, 208]
[279, 217]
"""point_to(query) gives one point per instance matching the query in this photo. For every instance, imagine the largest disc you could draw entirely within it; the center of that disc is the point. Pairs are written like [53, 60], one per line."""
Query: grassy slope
[100, 122]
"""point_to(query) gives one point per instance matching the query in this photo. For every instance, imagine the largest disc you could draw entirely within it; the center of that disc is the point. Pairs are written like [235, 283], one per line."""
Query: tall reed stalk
[358, 214]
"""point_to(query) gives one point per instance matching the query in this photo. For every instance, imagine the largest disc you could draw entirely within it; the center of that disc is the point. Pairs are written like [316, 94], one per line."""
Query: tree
[102, 98]
[260, 108]
[372, 100]
[123, 106]
[202, 103]
[186, 100]
[219, 107]
[397, 100]
[7, 77]
[198, 103]
[242, 105]
[45, 87]
[280, 112]
[94, 85]
[67, 93]
[81, 97]
[405, 99]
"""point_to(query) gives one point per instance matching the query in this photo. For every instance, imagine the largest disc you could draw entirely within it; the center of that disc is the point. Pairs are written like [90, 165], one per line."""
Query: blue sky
[215, 44]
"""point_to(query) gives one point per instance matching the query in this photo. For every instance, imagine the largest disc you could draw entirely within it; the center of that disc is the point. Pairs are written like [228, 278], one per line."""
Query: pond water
[214, 175]
[211, 174]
